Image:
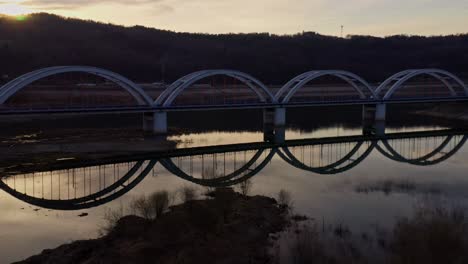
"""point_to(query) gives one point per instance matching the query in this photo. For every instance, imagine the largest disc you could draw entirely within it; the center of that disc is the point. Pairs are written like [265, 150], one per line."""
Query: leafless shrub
[111, 217]
[140, 206]
[433, 235]
[285, 199]
[150, 207]
[158, 203]
[245, 187]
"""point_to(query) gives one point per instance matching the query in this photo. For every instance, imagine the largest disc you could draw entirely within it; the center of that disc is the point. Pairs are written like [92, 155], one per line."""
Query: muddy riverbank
[227, 228]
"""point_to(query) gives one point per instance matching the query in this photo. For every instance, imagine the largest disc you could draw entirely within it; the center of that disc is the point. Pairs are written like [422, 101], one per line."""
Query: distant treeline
[145, 54]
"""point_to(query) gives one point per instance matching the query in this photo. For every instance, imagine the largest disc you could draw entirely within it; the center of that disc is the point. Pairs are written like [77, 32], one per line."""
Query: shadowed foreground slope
[231, 228]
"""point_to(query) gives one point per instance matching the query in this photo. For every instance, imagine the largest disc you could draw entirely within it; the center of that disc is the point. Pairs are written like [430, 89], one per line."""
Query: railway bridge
[374, 100]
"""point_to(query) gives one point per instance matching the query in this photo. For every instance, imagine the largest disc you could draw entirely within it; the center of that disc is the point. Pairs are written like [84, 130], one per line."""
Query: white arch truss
[396, 81]
[359, 84]
[11, 88]
[175, 89]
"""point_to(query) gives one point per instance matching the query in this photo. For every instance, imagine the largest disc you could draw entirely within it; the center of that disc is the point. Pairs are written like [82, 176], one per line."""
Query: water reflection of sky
[24, 231]
[215, 138]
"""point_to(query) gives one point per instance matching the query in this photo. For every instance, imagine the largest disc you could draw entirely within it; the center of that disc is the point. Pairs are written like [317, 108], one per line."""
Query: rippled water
[333, 174]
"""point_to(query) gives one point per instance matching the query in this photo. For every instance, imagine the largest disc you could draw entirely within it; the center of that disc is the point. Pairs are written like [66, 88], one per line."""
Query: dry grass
[311, 245]
[387, 187]
[433, 235]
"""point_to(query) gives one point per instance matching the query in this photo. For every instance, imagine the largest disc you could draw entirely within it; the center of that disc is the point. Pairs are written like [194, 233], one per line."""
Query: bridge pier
[280, 117]
[380, 112]
[275, 135]
[375, 112]
[274, 120]
[155, 123]
[275, 117]
[373, 119]
[379, 128]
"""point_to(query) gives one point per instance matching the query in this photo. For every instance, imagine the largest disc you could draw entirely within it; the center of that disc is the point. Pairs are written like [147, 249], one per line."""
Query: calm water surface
[359, 193]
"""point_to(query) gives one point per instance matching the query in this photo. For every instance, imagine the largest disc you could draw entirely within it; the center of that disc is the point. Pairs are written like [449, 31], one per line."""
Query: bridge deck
[142, 109]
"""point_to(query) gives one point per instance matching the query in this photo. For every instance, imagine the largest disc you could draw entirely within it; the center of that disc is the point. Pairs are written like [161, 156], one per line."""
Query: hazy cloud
[74, 4]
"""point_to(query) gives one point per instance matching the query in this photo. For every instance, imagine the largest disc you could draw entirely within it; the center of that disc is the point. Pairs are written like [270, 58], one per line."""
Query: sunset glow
[13, 8]
[359, 17]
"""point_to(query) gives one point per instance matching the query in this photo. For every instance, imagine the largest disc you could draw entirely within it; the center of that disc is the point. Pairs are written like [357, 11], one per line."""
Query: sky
[359, 17]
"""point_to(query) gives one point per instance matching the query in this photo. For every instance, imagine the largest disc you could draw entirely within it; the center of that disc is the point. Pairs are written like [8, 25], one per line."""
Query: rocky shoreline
[227, 228]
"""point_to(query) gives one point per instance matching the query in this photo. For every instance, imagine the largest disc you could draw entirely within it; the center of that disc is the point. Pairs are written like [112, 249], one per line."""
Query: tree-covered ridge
[146, 54]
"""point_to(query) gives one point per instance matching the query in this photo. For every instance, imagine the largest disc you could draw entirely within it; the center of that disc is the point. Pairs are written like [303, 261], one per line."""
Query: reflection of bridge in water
[71, 186]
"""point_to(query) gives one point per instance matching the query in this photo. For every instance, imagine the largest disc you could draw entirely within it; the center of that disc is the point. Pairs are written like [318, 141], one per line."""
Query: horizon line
[348, 36]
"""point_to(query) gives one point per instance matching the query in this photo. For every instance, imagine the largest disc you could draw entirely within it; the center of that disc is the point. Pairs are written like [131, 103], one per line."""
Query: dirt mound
[230, 228]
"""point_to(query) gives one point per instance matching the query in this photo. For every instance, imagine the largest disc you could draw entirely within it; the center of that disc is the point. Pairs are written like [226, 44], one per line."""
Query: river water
[69, 177]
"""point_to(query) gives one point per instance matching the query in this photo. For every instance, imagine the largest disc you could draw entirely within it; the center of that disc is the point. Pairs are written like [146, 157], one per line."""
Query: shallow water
[333, 174]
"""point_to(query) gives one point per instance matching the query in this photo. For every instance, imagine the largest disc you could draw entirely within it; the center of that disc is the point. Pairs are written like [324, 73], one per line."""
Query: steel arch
[240, 175]
[19, 83]
[403, 76]
[291, 87]
[333, 168]
[131, 179]
[170, 94]
[389, 152]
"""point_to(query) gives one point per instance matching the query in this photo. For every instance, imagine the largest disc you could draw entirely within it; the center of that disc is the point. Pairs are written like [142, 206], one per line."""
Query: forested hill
[145, 54]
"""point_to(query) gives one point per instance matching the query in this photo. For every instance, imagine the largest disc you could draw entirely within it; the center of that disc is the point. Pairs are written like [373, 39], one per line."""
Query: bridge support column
[280, 117]
[375, 112]
[275, 117]
[280, 135]
[275, 135]
[155, 123]
[380, 112]
[379, 128]
[373, 119]
[274, 120]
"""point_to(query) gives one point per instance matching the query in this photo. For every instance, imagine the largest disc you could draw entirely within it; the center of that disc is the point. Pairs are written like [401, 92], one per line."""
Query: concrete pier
[373, 119]
[275, 117]
[280, 117]
[380, 112]
[274, 121]
[155, 123]
[276, 135]
[379, 128]
[375, 112]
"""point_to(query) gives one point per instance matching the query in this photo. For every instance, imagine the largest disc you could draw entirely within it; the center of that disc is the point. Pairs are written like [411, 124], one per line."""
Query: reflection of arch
[240, 175]
[396, 81]
[365, 92]
[332, 168]
[340, 161]
[19, 83]
[426, 160]
[175, 89]
[112, 192]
